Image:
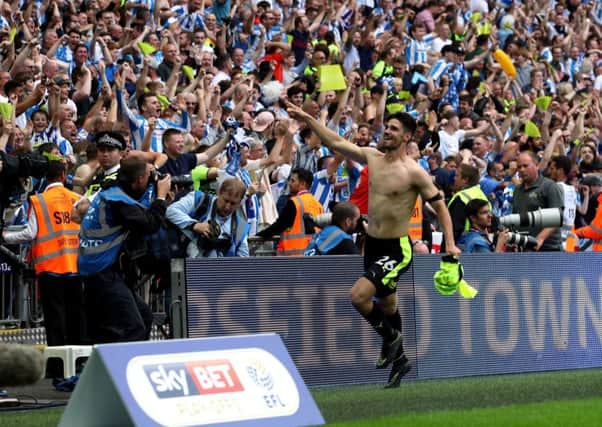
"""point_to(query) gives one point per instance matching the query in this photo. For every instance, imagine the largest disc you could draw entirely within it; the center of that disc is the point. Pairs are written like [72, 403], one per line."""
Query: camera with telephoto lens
[181, 181]
[213, 241]
[522, 240]
[541, 218]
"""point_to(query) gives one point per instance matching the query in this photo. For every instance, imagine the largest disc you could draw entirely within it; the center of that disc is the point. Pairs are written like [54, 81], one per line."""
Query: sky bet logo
[192, 378]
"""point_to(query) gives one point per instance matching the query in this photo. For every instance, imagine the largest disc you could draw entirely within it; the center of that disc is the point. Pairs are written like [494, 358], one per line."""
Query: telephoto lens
[541, 218]
[522, 240]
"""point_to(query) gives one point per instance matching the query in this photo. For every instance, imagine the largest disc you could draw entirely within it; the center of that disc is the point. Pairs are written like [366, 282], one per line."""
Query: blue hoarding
[533, 312]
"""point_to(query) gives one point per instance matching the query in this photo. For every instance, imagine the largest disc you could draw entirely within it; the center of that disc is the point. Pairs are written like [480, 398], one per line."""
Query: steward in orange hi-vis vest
[294, 240]
[594, 229]
[55, 242]
[55, 247]
[415, 225]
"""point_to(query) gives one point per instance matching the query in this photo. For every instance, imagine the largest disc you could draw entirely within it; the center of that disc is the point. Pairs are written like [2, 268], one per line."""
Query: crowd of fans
[198, 89]
[172, 76]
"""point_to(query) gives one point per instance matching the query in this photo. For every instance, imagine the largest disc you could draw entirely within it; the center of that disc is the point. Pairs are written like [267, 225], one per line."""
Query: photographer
[216, 226]
[536, 192]
[476, 239]
[336, 239]
[111, 239]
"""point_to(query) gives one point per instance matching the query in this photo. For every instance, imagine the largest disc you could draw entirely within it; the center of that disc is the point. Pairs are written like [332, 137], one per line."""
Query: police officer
[111, 238]
[336, 239]
[110, 148]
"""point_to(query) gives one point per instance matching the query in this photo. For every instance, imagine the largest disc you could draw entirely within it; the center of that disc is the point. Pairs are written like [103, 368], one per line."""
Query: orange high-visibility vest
[294, 241]
[571, 244]
[415, 225]
[594, 230]
[55, 247]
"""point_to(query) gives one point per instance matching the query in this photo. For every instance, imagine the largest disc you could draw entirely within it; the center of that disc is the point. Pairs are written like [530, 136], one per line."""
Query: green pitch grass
[415, 397]
[561, 413]
[563, 398]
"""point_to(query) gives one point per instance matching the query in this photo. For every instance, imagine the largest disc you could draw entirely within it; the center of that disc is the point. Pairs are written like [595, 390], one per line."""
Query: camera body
[155, 176]
[213, 241]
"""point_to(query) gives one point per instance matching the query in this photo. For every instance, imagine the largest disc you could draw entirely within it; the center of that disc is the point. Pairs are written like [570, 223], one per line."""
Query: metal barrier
[259, 247]
[19, 299]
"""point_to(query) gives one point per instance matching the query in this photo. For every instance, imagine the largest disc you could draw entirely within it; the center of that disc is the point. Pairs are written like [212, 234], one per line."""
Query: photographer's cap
[110, 139]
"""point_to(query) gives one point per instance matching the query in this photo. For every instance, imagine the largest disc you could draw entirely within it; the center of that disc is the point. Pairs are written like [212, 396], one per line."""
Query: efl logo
[192, 378]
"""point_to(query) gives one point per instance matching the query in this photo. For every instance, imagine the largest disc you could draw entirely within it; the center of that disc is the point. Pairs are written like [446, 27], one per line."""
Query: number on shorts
[387, 263]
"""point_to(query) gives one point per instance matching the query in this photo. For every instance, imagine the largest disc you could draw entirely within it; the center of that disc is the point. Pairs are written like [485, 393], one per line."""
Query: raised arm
[214, 150]
[281, 132]
[145, 146]
[329, 138]
[484, 127]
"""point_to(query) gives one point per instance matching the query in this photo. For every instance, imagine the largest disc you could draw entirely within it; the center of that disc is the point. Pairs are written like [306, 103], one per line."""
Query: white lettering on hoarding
[423, 322]
[339, 326]
[587, 308]
[499, 345]
[547, 308]
[466, 323]
[169, 380]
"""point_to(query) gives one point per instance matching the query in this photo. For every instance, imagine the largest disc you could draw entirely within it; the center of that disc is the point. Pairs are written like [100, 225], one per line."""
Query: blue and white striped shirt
[597, 12]
[573, 66]
[416, 51]
[53, 135]
[322, 188]
[139, 126]
[64, 53]
[188, 22]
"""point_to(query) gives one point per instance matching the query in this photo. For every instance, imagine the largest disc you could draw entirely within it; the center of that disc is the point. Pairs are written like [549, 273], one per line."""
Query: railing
[19, 298]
